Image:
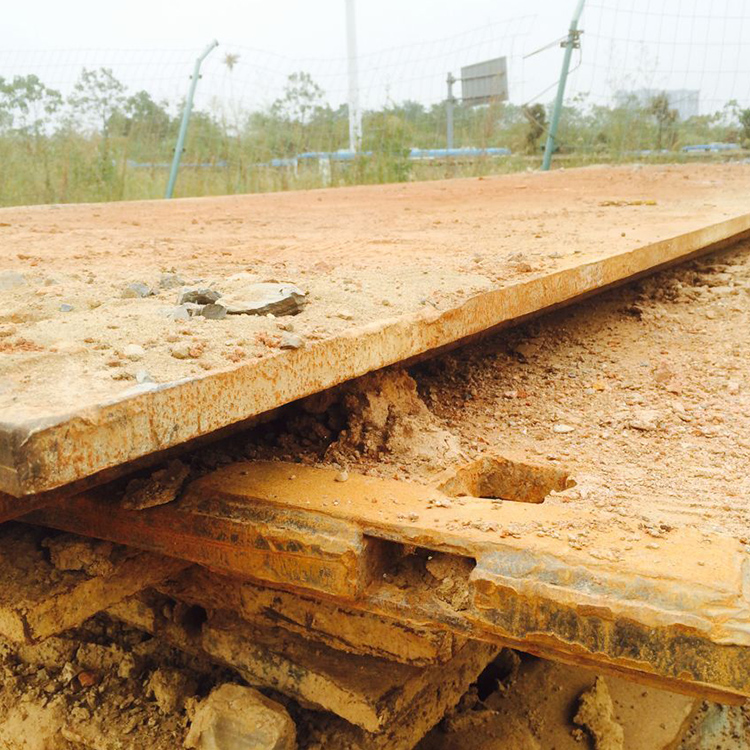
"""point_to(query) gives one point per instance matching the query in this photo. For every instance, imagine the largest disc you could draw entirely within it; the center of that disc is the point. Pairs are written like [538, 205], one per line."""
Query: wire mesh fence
[665, 80]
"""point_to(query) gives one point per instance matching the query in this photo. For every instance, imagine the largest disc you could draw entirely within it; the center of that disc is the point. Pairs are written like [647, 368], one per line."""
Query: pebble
[291, 341]
[181, 351]
[11, 279]
[645, 420]
[137, 290]
[562, 429]
[213, 311]
[142, 376]
[133, 352]
[178, 313]
[344, 315]
[170, 281]
[65, 307]
[342, 476]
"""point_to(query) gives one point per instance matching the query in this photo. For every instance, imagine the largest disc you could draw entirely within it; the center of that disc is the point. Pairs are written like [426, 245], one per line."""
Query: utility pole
[355, 115]
[449, 102]
[573, 42]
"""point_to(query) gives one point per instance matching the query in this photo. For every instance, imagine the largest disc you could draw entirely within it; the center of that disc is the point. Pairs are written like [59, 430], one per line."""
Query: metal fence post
[572, 43]
[180, 145]
[449, 111]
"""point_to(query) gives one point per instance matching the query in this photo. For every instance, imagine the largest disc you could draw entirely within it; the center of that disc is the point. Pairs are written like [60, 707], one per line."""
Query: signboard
[485, 81]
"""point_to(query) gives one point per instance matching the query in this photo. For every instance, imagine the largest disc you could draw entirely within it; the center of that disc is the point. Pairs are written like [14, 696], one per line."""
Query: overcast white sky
[701, 44]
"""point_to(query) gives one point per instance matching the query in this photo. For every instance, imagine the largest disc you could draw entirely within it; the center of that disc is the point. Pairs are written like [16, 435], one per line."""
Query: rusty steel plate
[94, 375]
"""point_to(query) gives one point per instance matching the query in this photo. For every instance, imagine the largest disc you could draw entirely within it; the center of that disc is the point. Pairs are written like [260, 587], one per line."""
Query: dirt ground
[70, 339]
[107, 686]
[642, 392]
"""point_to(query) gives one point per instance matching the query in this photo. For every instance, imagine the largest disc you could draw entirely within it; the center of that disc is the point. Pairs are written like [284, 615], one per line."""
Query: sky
[406, 47]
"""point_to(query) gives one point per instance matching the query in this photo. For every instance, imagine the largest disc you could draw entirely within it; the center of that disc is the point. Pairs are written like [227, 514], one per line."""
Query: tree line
[102, 142]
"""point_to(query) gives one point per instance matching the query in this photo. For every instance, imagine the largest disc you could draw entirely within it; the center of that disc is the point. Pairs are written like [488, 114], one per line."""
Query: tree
[537, 118]
[744, 116]
[27, 105]
[98, 95]
[666, 117]
[302, 96]
[141, 116]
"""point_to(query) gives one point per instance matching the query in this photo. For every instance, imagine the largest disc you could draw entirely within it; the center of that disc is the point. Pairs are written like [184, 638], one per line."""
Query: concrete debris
[235, 717]
[596, 714]
[137, 290]
[160, 488]
[267, 297]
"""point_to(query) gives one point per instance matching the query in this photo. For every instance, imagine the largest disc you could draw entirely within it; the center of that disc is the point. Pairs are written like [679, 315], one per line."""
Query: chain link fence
[651, 81]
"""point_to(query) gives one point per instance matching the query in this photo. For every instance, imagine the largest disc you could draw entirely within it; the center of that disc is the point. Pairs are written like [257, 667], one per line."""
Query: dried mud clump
[385, 414]
[596, 714]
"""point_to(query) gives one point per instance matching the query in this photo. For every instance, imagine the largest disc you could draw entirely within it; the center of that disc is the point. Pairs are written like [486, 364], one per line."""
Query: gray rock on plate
[267, 297]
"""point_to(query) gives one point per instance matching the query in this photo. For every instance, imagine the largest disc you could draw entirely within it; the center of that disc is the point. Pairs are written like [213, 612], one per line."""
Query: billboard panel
[485, 81]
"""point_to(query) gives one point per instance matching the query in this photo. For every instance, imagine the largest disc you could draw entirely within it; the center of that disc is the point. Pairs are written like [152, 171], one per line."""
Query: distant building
[685, 101]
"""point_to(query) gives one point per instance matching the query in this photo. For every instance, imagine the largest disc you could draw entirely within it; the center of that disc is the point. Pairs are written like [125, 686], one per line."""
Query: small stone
[291, 341]
[65, 307]
[170, 281]
[69, 672]
[10, 280]
[160, 488]
[201, 296]
[213, 311]
[133, 352]
[645, 420]
[181, 351]
[137, 290]
[88, 679]
[170, 688]
[178, 313]
[562, 429]
[342, 476]
[344, 315]
[142, 376]
[235, 717]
